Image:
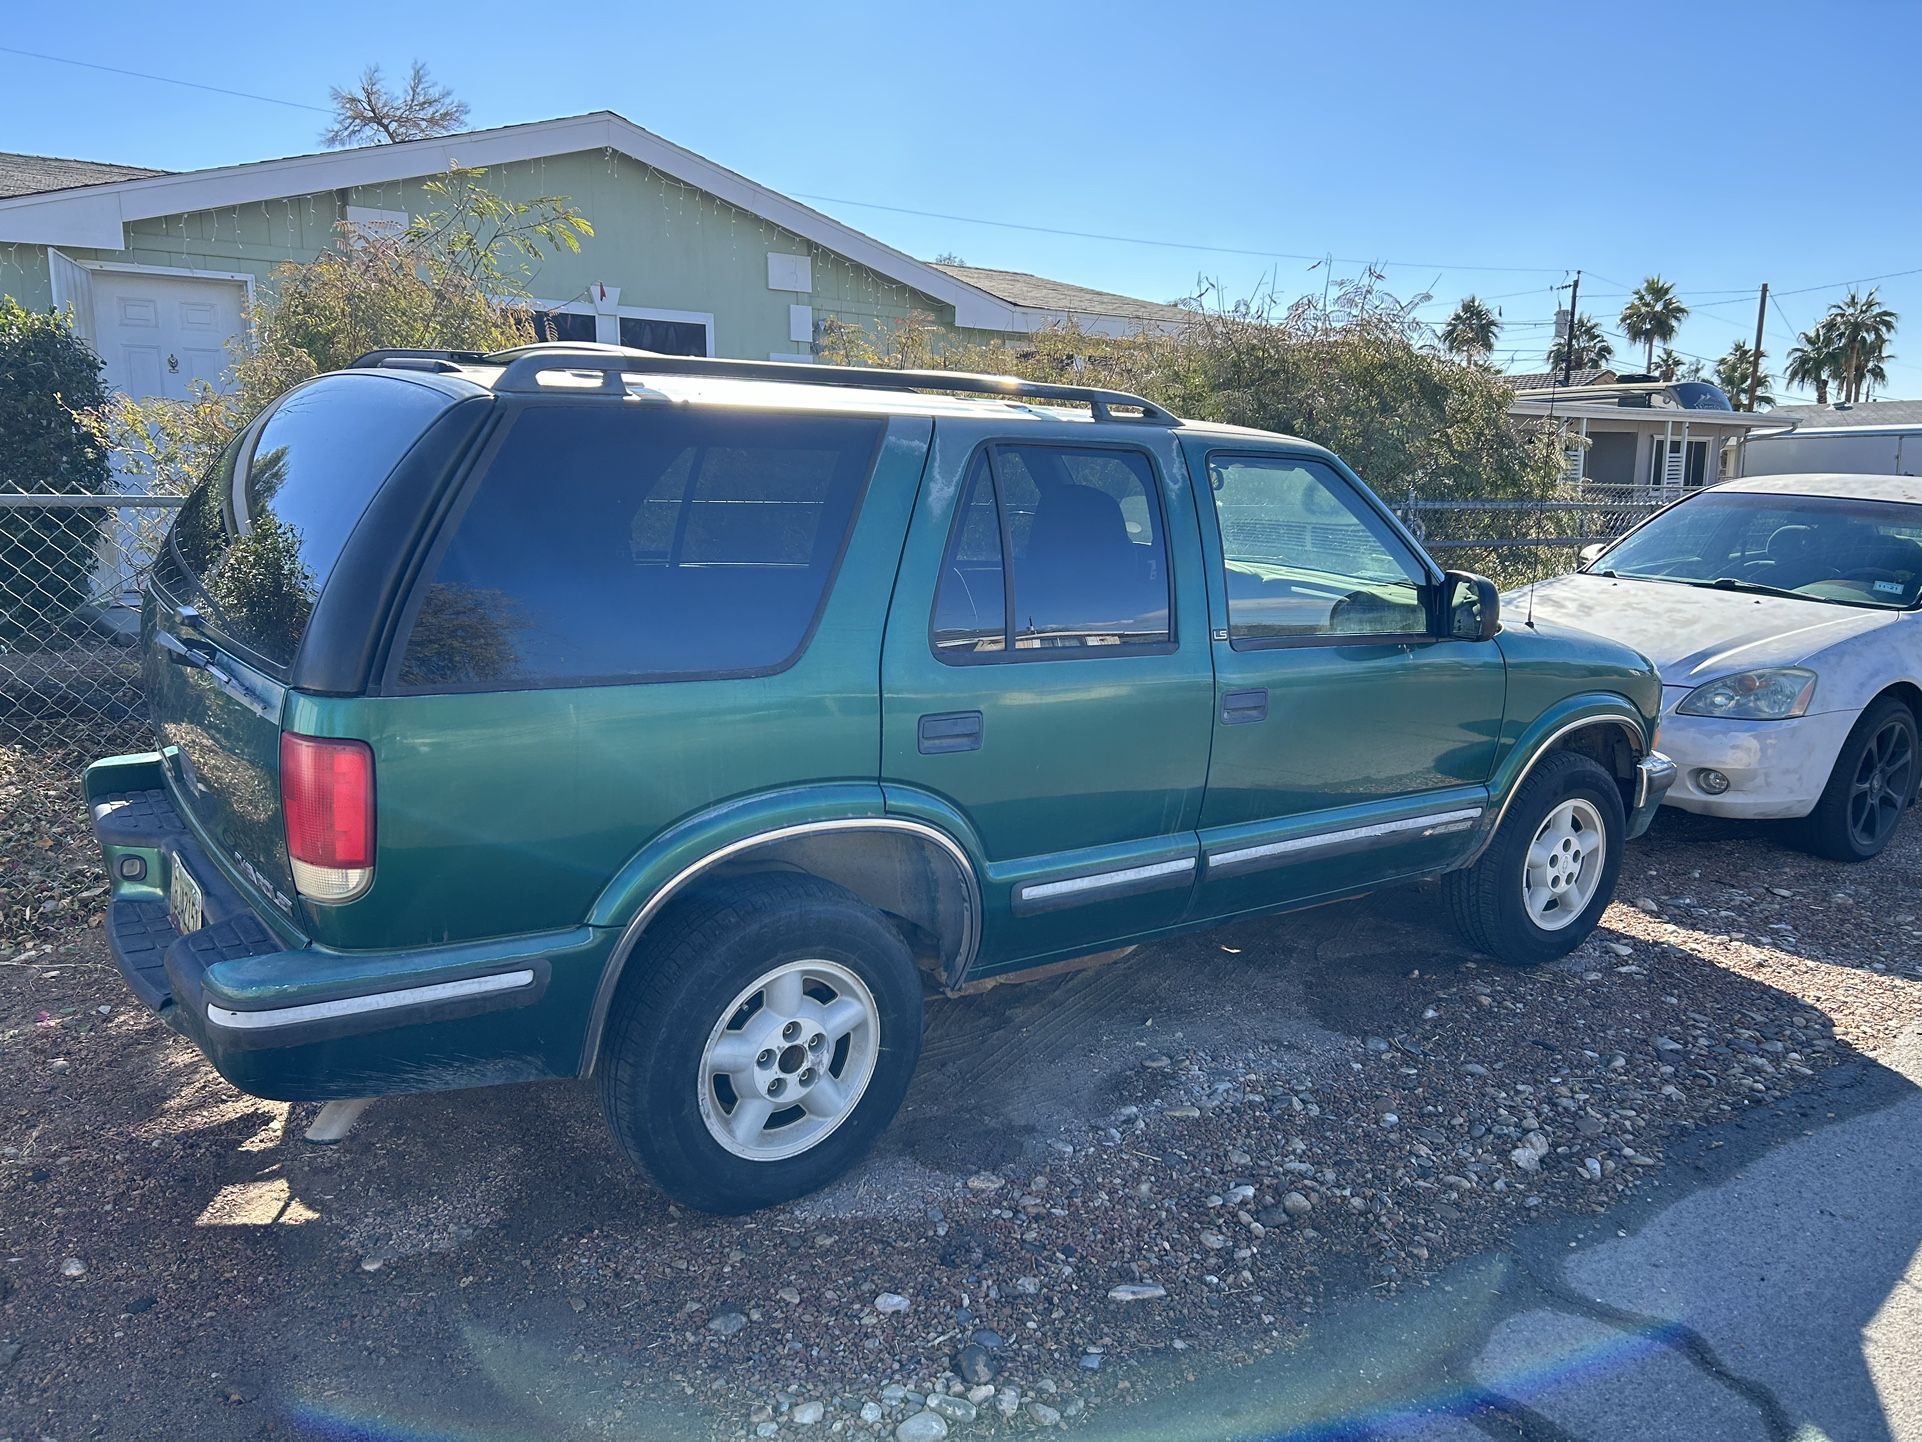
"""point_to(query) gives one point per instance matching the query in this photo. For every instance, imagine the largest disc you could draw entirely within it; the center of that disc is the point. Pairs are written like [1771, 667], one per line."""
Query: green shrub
[47, 557]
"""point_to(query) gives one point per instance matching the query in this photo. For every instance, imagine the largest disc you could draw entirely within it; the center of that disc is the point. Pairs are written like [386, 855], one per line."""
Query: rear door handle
[950, 731]
[1238, 708]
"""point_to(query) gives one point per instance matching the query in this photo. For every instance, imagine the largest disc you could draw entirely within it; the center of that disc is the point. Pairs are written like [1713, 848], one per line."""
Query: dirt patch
[1250, 1120]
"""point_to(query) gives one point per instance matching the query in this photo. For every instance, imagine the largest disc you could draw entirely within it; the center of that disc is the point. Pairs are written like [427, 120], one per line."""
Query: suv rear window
[259, 540]
[608, 544]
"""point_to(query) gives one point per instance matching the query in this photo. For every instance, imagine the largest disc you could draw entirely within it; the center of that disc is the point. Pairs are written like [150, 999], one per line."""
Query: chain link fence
[1515, 542]
[71, 573]
[72, 569]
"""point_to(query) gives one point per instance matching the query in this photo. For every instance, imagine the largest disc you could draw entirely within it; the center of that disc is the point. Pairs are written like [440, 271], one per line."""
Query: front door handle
[1238, 708]
[949, 731]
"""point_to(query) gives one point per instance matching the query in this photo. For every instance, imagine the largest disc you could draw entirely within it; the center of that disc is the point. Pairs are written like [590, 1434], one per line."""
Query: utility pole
[1755, 366]
[1568, 340]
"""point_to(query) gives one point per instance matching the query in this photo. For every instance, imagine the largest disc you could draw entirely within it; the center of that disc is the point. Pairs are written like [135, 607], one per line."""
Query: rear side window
[1055, 550]
[623, 543]
[260, 537]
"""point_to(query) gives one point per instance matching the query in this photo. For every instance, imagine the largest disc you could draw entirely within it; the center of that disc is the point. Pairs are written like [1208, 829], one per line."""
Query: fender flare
[663, 869]
[1576, 713]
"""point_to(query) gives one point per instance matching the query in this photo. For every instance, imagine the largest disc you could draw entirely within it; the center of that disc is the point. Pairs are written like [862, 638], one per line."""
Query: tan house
[1635, 441]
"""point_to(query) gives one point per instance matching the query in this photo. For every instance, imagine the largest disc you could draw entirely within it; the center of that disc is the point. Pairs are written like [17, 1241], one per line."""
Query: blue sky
[1484, 148]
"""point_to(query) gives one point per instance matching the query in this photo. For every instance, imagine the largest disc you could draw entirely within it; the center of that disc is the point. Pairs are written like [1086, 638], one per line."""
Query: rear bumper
[296, 1022]
[1654, 775]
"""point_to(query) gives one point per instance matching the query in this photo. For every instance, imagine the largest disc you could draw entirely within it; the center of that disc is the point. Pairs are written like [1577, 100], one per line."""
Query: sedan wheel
[1872, 784]
[1884, 782]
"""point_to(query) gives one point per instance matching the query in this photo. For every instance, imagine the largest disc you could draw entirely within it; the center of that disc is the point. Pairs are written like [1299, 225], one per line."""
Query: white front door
[159, 333]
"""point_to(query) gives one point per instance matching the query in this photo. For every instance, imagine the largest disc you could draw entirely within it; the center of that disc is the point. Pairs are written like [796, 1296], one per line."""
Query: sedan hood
[1694, 634]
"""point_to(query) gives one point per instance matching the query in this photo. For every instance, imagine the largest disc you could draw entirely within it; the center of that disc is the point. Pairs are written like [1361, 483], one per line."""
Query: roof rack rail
[416, 360]
[523, 366]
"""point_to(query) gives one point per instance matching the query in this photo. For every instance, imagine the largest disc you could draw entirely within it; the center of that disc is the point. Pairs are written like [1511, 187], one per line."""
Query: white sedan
[1782, 614]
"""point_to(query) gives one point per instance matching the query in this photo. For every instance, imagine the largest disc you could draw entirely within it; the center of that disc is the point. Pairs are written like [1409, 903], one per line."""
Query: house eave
[96, 216]
[1724, 420]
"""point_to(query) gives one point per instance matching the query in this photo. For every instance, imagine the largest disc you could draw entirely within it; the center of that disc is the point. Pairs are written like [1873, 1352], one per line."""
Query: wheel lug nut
[807, 1075]
[776, 1087]
[817, 1041]
[766, 1058]
[791, 1030]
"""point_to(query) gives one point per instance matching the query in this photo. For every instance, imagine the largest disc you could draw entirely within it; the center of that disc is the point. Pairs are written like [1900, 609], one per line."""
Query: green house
[687, 256]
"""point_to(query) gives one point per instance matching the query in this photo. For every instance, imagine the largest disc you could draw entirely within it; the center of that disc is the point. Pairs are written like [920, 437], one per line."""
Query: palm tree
[1732, 375]
[1670, 365]
[1863, 326]
[1590, 347]
[1469, 334]
[1653, 313]
[1816, 359]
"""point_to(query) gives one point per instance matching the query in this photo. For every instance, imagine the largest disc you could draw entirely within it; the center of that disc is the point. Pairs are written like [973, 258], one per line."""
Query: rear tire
[1536, 893]
[1873, 783]
[762, 1043]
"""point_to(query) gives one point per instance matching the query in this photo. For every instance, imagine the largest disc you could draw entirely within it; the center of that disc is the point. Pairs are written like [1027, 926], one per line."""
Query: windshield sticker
[1894, 588]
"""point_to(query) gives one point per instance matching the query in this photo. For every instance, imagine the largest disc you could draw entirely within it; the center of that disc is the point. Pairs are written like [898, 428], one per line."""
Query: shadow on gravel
[483, 1265]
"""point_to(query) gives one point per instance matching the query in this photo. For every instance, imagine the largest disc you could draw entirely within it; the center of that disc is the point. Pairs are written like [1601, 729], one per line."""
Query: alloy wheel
[1564, 864]
[1883, 783]
[789, 1060]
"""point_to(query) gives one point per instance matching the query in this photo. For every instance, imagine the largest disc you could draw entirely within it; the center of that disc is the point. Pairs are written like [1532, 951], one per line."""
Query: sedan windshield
[1818, 548]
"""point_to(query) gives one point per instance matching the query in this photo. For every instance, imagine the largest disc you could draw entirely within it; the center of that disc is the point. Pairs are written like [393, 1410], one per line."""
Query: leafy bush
[47, 373]
[1352, 370]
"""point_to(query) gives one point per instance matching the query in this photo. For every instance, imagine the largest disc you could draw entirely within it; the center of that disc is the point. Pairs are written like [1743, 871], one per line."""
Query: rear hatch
[234, 588]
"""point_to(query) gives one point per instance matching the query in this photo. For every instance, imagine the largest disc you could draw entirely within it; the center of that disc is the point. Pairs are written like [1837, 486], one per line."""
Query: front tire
[1873, 783]
[762, 1043]
[1538, 890]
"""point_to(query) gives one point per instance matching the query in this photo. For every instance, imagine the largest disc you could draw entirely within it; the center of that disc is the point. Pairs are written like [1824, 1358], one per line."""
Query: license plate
[186, 905]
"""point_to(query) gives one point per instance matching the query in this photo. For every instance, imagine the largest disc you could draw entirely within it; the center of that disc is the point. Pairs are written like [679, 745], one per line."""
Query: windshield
[1820, 548]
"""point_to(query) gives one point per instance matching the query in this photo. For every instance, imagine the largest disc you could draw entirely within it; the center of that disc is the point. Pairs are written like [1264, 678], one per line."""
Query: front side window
[1055, 549]
[259, 539]
[1307, 557]
[624, 543]
[1822, 548]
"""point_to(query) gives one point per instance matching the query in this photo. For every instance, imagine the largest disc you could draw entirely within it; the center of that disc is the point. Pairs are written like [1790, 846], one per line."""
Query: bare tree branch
[372, 113]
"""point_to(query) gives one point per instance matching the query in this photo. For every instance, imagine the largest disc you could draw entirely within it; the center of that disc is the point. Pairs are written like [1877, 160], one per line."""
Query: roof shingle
[1035, 292]
[1868, 413]
[31, 174]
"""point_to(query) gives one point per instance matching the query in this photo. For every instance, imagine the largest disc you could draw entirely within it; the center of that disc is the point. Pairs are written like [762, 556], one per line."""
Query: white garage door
[159, 333]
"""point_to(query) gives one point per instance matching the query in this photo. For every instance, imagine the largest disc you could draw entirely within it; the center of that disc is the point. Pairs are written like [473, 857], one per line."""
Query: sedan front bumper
[1775, 769]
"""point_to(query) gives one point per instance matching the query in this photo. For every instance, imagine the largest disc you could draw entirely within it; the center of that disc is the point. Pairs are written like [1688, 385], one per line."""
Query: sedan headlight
[1771, 695]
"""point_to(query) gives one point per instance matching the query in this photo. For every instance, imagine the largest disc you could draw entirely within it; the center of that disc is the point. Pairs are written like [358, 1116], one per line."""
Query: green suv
[573, 711]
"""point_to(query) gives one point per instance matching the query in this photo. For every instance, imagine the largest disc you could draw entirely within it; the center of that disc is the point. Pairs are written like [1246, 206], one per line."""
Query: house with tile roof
[688, 257]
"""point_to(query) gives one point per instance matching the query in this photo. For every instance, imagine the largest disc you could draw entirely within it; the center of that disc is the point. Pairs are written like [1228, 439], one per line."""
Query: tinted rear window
[618, 543]
[258, 541]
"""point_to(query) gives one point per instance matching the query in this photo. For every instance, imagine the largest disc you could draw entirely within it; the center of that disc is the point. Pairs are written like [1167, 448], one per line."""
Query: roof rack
[523, 366]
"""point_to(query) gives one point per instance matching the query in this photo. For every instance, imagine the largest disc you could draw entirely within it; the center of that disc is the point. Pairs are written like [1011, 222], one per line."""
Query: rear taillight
[327, 796]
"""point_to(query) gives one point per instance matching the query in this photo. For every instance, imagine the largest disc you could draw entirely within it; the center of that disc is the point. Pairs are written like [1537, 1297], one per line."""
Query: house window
[666, 337]
[563, 325]
[1679, 464]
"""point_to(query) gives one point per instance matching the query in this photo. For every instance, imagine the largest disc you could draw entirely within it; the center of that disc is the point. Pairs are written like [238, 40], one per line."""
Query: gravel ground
[1102, 1185]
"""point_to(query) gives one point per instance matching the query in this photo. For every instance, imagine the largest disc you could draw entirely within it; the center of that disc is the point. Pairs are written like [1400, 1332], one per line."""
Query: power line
[1700, 308]
[166, 80]
[1176, 244]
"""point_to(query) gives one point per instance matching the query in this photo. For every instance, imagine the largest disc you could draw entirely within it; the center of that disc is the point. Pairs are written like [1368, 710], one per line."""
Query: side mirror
[1471, 606]
[1591, 553]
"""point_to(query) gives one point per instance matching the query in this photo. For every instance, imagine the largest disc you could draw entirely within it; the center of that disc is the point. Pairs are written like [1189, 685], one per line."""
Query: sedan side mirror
[1591, 553]
[1471, 606]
